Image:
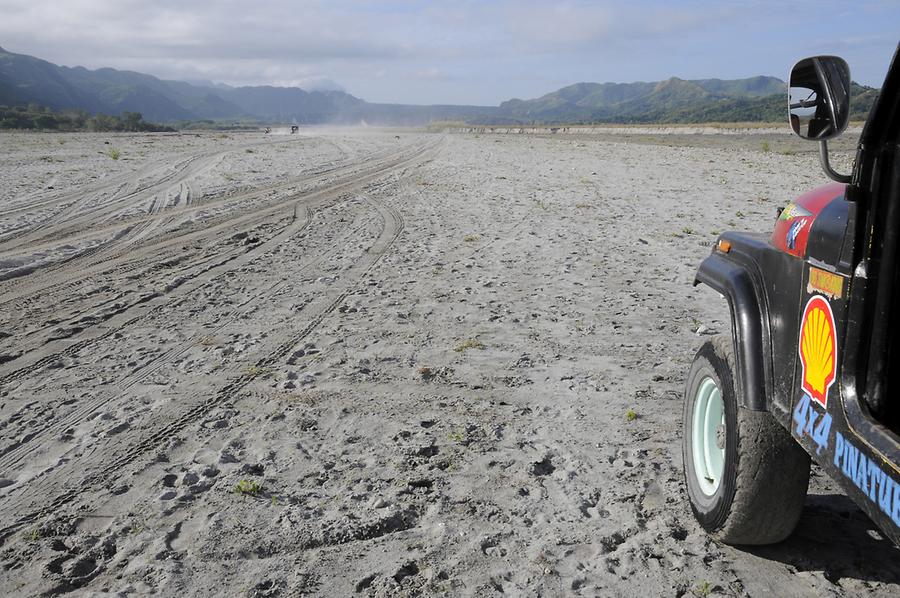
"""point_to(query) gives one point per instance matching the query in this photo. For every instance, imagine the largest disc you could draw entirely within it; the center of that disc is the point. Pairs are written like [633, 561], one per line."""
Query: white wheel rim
[708, 436]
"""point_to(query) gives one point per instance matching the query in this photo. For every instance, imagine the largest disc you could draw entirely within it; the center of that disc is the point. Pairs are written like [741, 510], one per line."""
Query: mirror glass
[819, 97]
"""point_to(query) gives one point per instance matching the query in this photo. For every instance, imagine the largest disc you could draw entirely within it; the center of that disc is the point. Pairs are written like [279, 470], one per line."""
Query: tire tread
[772, 473]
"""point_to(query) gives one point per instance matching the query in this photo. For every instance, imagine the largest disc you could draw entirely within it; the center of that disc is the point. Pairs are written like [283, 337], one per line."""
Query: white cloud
[466, 50]
[429, 73]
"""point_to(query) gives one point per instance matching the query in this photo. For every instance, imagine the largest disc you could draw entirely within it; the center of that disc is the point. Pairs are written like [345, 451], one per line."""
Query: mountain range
[28, 80]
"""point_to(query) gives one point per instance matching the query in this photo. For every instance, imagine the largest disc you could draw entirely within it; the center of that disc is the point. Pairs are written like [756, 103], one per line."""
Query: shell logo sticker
[818, 349]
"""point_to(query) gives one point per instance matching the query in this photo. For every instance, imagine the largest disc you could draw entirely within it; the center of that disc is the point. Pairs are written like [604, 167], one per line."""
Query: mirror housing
[819, 97]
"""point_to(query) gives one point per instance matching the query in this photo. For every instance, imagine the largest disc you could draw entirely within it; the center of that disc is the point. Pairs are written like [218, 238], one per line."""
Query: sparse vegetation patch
[248, 487]
[471, 343]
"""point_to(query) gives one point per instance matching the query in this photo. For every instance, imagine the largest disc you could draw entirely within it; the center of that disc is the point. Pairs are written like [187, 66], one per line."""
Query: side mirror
[819, 97]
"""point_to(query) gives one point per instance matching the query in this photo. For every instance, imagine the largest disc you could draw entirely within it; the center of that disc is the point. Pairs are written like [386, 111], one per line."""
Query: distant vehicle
[268, 130]
[811, 365]
[294, 129]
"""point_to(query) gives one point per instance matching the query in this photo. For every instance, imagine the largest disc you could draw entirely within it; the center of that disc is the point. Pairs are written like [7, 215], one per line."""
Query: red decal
[792, 228]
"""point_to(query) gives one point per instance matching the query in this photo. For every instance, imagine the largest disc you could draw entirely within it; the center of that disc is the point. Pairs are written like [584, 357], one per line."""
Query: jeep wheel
[746, 477]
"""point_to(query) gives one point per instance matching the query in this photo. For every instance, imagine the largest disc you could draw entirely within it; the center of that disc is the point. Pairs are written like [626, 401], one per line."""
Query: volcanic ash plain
[378, 363]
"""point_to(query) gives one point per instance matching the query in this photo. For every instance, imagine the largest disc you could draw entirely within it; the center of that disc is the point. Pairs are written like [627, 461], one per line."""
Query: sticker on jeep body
[818, 349]
[868, 476]
[827, 283]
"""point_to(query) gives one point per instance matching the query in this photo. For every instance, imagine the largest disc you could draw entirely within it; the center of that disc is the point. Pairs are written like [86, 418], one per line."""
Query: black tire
[763, 485]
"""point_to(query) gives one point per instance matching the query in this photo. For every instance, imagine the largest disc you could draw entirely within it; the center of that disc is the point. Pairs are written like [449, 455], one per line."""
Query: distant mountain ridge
[604, 101]
[25, 79]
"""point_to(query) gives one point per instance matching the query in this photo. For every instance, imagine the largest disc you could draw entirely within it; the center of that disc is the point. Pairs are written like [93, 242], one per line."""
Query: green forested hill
[759, 99]
[25, 80]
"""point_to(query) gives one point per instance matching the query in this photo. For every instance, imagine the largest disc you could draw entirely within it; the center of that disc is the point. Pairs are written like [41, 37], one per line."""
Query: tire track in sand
[49, 352]
[60, 325]
[17, 452]
[31, 287]
[162, 172]
[114, 462]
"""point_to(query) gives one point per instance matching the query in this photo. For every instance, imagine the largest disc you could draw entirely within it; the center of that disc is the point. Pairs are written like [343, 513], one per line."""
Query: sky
[453, 52]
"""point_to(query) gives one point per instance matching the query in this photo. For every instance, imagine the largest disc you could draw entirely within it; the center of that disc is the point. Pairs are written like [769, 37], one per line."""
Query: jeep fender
[735, 283]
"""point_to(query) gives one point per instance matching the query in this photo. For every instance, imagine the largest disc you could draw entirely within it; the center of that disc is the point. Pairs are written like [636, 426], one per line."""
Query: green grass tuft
[471, 343]
[255, 371]
[245, 487]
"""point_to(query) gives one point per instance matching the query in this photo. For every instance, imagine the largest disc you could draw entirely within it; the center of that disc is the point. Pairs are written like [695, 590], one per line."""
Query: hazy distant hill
[627, 101]
[291, 103]
[25, 79]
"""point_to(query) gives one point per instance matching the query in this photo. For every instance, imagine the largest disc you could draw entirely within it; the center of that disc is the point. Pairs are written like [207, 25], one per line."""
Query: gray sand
[344, 363]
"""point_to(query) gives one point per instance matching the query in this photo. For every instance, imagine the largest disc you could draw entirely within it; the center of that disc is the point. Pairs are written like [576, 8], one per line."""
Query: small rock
[405, 571]
[200, 487]
[253, 468]
[209, 472]
[365, 582]
[227, 457]
[427, 451]
[543, 467]
[421, 483]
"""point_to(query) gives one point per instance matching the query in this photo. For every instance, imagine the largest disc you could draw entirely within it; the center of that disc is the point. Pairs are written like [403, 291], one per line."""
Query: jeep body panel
[815, 311]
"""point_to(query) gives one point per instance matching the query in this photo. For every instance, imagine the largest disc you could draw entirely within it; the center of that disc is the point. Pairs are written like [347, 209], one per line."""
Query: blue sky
[462, 52]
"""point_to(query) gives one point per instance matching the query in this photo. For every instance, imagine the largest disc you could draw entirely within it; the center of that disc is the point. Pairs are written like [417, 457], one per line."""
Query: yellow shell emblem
[818, 349]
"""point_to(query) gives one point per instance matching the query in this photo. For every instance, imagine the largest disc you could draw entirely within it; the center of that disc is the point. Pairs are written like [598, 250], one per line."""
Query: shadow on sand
[835, 537]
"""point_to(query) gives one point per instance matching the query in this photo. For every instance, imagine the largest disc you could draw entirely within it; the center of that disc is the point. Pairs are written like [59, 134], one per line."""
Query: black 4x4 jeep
[811, 368]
